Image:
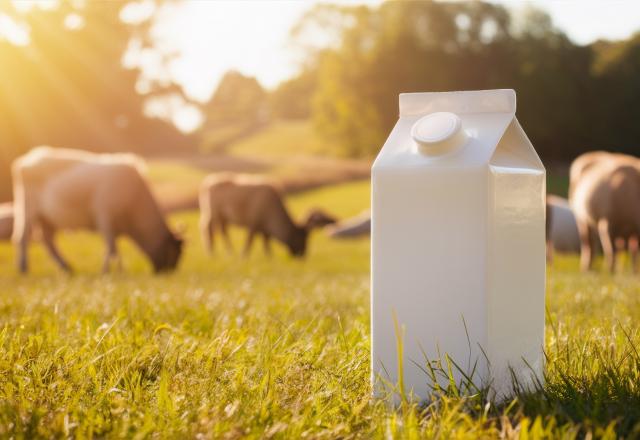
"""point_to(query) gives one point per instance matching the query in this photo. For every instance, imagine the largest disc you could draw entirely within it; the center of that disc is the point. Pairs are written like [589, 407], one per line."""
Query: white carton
[457, 245]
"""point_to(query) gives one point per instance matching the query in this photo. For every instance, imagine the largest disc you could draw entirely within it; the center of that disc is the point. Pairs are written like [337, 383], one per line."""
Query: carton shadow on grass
[588, 384]
[591, 383]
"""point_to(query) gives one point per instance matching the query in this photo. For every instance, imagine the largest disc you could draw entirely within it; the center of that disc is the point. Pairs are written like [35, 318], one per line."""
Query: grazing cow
[6, 221]
[605, 202]
[256, 204]
[585, 161]
[71, 189]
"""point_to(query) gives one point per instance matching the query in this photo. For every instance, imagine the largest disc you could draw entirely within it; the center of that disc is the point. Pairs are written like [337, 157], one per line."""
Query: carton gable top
[477, 101]
[486, 115]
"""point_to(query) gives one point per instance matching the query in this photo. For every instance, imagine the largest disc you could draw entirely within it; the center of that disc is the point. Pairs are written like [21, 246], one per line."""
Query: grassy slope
[277, 347]
[289, 151]
[284, 138]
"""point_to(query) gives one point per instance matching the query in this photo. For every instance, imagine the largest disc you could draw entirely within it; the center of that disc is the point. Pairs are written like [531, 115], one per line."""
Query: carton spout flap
[515, 151]
[480, 101]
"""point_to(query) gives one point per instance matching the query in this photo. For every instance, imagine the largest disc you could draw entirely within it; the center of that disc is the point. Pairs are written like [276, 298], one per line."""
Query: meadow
[279, 348]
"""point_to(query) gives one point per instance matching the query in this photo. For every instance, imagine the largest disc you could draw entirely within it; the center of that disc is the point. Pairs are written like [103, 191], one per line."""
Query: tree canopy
[67, 87]
[571, 98]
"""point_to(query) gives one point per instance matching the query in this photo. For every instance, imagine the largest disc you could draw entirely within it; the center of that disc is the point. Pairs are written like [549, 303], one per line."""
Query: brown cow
[257, 205]
[71, 189]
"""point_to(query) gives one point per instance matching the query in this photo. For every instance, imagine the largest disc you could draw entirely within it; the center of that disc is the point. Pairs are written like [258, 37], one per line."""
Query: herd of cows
[58, 189]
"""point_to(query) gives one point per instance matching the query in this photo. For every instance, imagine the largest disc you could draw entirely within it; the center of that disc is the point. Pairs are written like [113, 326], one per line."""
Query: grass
[259, 348]
[280, 138]
[174, 181]
[268, 151]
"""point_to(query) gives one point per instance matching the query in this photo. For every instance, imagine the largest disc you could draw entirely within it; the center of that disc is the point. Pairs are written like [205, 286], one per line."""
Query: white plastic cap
[438, 133]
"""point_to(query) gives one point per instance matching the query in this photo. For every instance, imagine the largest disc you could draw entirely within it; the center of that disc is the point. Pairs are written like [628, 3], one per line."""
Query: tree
[398, 47]
[616, 69]
[237, 98]
[238, 107]
[67, 87]
[292, 98]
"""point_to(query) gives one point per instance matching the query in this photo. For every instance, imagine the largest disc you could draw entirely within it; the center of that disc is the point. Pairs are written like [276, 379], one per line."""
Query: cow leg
[633, 253]
[608, 246]
[105, 228]
[207, 231]
[266, 240]
[586, 246]
[111, 254]
[48, 233]
[21, 240]
[247, 246]
[225, 236]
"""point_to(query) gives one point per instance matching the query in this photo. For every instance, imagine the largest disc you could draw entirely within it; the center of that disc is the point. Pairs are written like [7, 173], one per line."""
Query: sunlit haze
[196, 42]
[253, 36]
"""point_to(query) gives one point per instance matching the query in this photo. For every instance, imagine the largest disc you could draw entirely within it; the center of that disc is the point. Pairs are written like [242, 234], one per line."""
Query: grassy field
[284, 139]
[277, 348]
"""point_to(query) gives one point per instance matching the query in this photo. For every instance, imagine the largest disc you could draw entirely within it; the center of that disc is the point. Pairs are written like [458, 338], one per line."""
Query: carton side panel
[516, 275]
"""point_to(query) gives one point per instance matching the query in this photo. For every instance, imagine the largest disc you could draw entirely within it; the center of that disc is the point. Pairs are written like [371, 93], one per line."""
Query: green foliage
[292, 98]
[68, 87]
[237, 97]
[570, 98]
[238, 107]
[617, 65]
[557, 183]
[278, 348]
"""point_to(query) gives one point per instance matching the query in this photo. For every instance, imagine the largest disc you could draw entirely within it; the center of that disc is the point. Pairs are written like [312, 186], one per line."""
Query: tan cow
[256, 204]
[71, 189]
[582, 163]
[604, 199]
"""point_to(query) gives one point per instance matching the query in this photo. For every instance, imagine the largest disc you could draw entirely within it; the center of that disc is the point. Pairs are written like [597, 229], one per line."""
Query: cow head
[168, 255]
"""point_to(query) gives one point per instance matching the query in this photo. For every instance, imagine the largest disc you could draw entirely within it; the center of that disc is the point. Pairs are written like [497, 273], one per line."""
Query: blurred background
[306, 91]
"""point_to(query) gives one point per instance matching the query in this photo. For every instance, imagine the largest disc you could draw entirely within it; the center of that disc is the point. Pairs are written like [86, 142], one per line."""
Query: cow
[256, 204]
[604, 199]
[56, 188]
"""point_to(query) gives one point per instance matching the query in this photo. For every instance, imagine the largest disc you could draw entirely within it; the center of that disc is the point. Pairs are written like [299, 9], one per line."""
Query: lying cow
[562, 233]
[563, 229]
[70, 189]
[355, 227]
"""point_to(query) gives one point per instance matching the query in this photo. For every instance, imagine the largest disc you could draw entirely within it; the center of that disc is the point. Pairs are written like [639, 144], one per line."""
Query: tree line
[68, 86]
[571, 98]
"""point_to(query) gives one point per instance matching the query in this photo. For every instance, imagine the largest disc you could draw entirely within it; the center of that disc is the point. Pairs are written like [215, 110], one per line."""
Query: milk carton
[458, 245]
